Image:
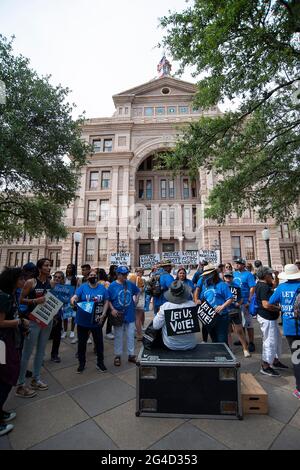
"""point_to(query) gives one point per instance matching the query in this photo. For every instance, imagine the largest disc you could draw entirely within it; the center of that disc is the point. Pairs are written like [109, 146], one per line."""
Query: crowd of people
[120, 299]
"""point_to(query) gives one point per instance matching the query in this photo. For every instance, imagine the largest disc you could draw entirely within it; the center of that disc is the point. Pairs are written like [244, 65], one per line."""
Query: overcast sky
[97, 48]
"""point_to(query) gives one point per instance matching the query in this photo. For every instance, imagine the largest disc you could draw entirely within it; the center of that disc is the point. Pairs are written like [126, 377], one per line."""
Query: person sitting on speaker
[178, 297]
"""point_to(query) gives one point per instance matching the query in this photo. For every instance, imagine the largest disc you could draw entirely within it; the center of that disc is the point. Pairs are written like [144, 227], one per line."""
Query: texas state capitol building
[125, 204]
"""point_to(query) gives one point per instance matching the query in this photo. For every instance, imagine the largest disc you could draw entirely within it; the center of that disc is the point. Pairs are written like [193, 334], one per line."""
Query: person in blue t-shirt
[90, 317]
[285, 295]
[182, 276]
[123, 297]
[165, 280]
[199, 271]
[218, 295]
[235, 314]
[246, 281]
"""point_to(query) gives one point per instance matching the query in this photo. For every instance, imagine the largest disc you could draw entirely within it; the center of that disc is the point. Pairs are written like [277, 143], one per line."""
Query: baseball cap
[29, 267]
[263, 271]
[228, 274]
[240, 261]
[122, 270]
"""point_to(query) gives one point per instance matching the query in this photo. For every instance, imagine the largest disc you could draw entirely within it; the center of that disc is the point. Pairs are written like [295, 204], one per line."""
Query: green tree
[249, 52]
[37, 133]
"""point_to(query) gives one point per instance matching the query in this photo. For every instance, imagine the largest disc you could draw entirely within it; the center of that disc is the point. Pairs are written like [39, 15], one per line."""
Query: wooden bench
[254, 397]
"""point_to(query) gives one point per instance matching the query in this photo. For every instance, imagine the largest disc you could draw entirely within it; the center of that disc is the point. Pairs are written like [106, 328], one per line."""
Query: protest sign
[44, 313]
[64, 293]
[173, 256]
[148, 261]
[207, 314]
[120, 259]
[189, 257]
[182, 321]
[211, 256]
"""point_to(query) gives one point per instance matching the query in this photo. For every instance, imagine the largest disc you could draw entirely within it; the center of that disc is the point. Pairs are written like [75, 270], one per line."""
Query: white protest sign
[190, 257]
[2, 353]
[211, 256]
[148, 261]
[174, 257]
[44, 313]
[120, 259]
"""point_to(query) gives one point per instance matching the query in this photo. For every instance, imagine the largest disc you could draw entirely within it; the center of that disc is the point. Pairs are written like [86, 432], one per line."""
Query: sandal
[117, 361]
[132, 359]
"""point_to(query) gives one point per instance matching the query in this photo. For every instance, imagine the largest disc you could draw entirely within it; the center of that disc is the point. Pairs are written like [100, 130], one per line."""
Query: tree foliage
[249, 52]
[37, 134]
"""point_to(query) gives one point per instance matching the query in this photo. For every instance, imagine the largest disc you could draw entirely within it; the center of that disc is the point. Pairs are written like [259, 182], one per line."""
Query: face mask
[92, 280]
[209, 279]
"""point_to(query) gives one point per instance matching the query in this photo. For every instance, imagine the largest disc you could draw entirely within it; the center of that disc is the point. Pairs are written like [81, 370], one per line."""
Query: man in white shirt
[177, 295]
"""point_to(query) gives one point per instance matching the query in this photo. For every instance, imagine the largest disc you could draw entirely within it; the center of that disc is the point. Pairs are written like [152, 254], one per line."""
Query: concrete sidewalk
[97, 411]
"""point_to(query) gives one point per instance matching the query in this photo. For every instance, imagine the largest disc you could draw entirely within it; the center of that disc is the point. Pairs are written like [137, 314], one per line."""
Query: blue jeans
[119, 332]
[219, 333]
[38, 338]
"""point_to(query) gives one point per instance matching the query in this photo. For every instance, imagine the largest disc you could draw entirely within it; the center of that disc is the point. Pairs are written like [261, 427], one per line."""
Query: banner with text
[148, 261]
[120, 259]
[207, 314]
[64, 293]
[44, 313]
[182, 321]
[211, 256]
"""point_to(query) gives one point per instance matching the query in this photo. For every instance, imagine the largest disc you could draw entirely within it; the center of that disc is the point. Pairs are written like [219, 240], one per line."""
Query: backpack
[253, 306]
[153, 286]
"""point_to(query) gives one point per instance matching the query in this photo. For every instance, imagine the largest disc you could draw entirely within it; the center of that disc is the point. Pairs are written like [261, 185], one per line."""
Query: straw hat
[290, 273]
[210, 268]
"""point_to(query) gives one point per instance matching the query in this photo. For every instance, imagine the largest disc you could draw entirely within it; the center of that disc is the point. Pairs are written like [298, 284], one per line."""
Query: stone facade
[126, 204]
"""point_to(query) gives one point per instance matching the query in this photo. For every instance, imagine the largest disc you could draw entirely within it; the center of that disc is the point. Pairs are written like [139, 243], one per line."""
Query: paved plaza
[97, 411]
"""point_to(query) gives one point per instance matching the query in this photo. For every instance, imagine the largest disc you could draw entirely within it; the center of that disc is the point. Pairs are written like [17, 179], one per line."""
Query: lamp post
[77, 240]
[266, 237]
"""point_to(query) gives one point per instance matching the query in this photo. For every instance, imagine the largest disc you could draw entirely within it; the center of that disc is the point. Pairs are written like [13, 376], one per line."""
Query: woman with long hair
[182, 276]
[11, 330]
[70, 280]
[33, 294]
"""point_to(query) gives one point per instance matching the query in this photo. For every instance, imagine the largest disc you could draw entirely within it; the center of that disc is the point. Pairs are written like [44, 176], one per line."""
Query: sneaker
[80, 369]
[132, 359]
[55, 359]
[28, 374]
[5, 429]
[74, 341]
[279, 365]
[89, 341]
[270, 372]
[63, 335]
[101, 366]
[251, 347]
[39, 385]
[72, 334]
[246, 353]
[8, 416]
[237, 343]
[296, 393]
[110, 336]
[25, 392]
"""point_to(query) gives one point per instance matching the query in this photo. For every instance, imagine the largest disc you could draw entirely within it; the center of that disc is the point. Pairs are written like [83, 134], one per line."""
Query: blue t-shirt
[200, 284]
[285, 295]
[245, 280]
[216, 294]
[191, 285]
[196, 277]
[123, 302]
[85, 293]
[165, 281]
